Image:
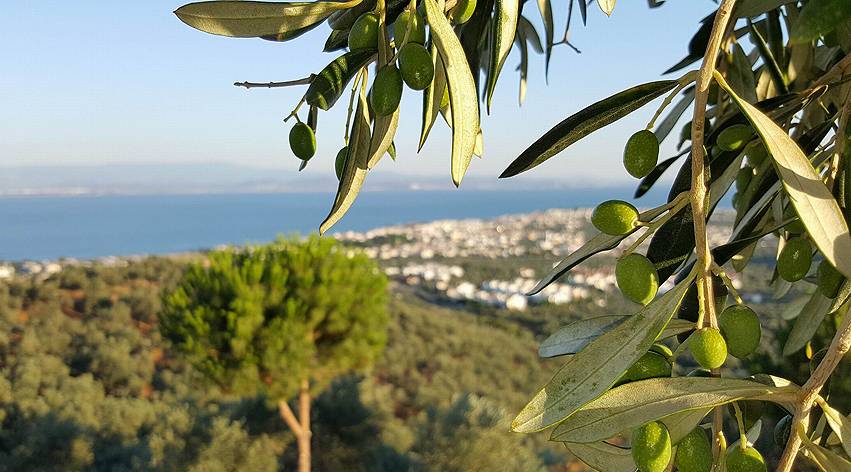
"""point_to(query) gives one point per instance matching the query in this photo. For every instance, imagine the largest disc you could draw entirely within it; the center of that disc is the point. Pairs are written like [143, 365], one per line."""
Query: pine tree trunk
[305, 437]
[301, 429]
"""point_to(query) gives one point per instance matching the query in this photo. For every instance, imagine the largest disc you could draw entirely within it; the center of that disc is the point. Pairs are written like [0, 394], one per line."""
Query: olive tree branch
[809, 393]
[288, 83]
[699, 191]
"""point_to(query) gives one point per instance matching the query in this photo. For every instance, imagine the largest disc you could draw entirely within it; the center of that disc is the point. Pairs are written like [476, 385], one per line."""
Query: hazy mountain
[213, 178]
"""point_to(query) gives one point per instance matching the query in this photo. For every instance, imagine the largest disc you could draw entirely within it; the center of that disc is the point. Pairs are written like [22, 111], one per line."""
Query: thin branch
[288, 83]
[699, 191]
[809, 392]
[289, 417]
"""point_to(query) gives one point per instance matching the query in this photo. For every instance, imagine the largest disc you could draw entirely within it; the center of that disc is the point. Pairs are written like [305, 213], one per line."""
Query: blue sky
[91, 82]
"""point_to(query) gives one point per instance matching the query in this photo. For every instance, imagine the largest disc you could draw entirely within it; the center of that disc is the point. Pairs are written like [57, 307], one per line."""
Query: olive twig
[294, 113]
[679, 203]
[289, 83]
[684, 81]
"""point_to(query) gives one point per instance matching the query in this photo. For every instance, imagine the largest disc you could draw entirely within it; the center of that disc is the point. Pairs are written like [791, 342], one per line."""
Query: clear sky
[90, 82]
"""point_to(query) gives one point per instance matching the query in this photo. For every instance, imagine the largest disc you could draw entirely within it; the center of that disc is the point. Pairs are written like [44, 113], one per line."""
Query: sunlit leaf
[589, 373]
[636, 403]
[432, 96]
[462, 90]
[840, 425]
[824, 458]
[812, 200]
[503, 29]
[585, 122]
[240, 19]
[354, 172]
[608, 6]
[575, 336]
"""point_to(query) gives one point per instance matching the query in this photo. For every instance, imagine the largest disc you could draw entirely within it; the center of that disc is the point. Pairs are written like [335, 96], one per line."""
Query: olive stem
[288, 83]
[684, 81]
[720, 272]
[294, 113]
[740, 422]
[699, 191]
[809, 393]
[679, 203]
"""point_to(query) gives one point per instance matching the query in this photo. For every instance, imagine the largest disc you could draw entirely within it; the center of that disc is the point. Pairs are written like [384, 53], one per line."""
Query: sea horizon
[96, 226]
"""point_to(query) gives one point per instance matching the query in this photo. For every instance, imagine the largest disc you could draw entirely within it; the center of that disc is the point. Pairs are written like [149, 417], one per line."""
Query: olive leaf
[589, 373]
[599, 243]
[462, 90]
[432, 96]
[811, 198]
[841, 297]
[808, 321]
[648, 181]
[523, 47]
[384, 126]
[575, 336]
[327, 87]
[546, 9]
[818, 18]
[840, 425]
[608, 6]
[680, 424]
[771, 64]
[602, 455]
[585, 122]
[240, 19]
[354, 171]
[751, 8]
[636, 403]
[824, 458]
[503, 30]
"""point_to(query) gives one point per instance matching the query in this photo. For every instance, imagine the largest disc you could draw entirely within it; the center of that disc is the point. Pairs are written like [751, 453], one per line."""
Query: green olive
[340, 161]
[741, 330]
[649, 366]
[364, 32]
[463, 11]
[735, 137]
[795, 259]
[829, 279]
[651, 447]
[757, 154]
[694, 452]
[400, 26]
[615, 217]
[641, 153]
[302, 141]
[637, 278]
[708, 348]
[745, 460]
[416, 66]
[386, 91]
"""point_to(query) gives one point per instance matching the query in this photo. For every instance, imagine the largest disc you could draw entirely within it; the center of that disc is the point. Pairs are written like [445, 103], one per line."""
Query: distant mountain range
[147, 179]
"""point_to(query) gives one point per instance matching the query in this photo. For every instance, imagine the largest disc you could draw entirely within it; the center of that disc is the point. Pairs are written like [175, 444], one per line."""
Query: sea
[88, 227]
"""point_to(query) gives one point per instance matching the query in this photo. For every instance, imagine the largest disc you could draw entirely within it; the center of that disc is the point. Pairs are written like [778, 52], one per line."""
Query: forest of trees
[88, 383]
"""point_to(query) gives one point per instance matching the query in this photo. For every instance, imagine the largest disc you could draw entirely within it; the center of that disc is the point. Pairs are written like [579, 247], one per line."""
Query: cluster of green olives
[739, 335]
[415, 65]
[652, 451]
